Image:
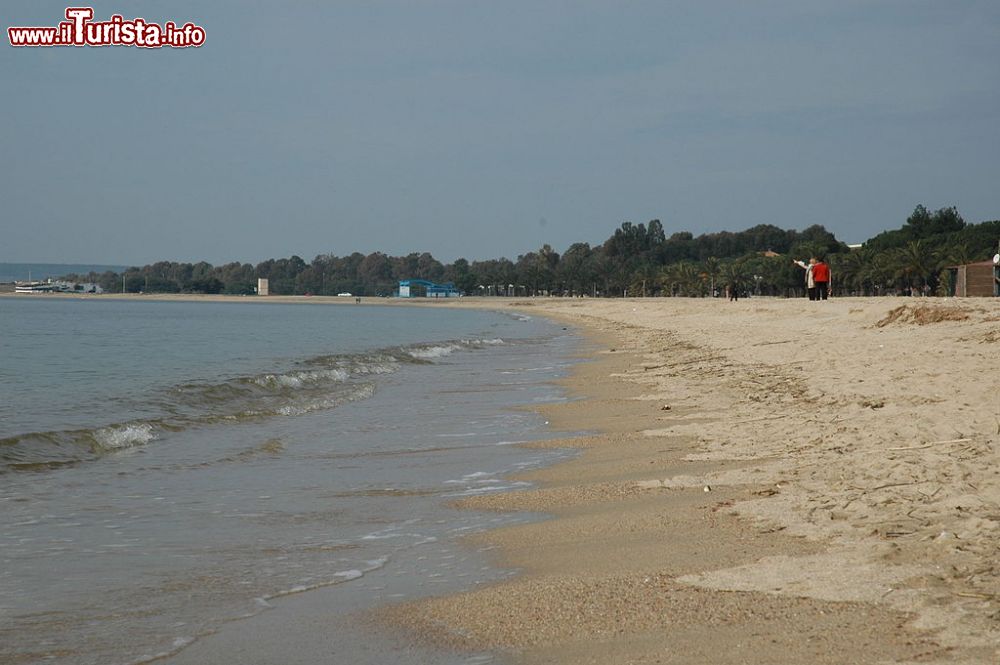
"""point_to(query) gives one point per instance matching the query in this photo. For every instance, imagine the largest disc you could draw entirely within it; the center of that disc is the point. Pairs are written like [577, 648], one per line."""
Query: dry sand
[772, 481]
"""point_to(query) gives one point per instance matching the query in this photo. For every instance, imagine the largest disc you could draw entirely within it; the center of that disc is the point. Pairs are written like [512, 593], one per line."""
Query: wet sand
[770, 481]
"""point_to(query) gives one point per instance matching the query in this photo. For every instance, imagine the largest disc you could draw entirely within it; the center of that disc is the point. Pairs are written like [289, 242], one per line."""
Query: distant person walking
[734, 293]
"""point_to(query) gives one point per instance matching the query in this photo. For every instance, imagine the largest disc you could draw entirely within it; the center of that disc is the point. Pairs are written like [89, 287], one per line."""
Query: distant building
[975, 279]
[56, 286]
[37, 287]
[262, 288]
[414, 288]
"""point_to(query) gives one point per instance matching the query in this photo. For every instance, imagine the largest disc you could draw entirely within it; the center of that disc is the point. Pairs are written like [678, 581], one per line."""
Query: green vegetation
[637, 260]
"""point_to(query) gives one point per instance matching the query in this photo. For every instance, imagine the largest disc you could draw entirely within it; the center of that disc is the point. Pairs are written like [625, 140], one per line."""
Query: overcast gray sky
[482, 129]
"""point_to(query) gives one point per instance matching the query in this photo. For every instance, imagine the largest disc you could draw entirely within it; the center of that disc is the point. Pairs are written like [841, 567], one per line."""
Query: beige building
[262, 289]
[975, 279]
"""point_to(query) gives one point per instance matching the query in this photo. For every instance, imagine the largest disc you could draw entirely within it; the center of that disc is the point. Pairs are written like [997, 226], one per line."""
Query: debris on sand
[921, 315]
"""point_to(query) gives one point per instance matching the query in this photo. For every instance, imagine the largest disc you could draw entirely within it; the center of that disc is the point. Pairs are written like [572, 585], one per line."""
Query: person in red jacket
[821, 277]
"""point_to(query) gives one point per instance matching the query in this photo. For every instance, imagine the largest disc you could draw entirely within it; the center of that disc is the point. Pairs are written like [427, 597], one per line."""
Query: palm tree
[772, 269]
[694, 282]
[645, 280]
[670, 277]
[878, 272]
[734, 273]
[682, 278]
[848, 270]
[957, 254]
[711, 267]
[916, 260]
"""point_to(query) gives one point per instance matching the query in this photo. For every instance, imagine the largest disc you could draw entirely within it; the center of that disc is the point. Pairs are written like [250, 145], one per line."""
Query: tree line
[636, 260]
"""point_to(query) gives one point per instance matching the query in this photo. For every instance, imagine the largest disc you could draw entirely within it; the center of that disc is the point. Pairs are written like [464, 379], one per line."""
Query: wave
[434, 351]
[314, 384]
[36, 451]
[337, 578]
[428, 352]
[298, 379]
[124, 436]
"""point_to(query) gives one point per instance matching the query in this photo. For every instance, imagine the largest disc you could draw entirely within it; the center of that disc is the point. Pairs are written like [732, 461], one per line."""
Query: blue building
[412, 288]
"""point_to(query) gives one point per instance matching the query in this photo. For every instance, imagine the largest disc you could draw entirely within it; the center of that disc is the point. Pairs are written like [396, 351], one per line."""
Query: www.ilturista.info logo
[80, 30]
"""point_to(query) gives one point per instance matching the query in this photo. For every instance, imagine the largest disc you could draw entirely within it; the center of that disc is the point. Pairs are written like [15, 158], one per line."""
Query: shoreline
[318, 624]
[822, 488]
[762, 517]
[352, 497]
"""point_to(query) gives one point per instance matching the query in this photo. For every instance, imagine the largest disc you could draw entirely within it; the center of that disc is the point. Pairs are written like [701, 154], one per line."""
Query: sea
[169, 469]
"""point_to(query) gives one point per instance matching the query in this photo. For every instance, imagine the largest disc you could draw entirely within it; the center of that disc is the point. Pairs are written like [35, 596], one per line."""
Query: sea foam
[118, 437]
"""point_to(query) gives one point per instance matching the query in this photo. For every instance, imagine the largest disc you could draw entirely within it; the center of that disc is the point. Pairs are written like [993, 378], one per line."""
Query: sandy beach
[768, 481]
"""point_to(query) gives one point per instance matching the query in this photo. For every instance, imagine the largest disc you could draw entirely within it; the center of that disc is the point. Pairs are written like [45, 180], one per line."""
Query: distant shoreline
[478, 302]
[214, 297]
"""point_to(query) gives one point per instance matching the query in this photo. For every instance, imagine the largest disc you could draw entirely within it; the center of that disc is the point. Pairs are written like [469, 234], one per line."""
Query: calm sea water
[168, 467]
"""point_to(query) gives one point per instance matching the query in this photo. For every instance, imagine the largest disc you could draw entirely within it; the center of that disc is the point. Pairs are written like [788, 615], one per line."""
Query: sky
[485, 129]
